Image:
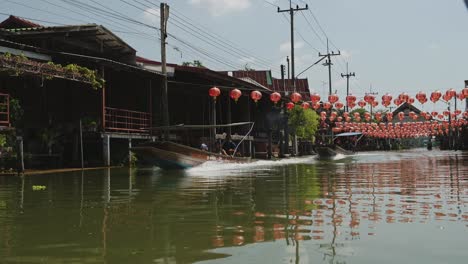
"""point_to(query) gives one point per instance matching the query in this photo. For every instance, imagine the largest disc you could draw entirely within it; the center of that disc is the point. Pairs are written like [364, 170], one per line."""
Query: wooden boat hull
[331, 151]
[168, 155]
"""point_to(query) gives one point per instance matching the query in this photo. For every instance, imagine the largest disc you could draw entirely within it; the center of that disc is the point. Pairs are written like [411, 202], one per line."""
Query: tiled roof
[17, 22]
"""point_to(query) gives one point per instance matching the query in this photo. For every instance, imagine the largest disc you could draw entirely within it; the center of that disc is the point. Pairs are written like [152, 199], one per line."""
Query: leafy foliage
[195, 63]
[49, 70]
[303, 122]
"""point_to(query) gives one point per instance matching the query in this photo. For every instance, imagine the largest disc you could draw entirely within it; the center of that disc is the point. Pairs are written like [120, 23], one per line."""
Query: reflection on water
[408, 207]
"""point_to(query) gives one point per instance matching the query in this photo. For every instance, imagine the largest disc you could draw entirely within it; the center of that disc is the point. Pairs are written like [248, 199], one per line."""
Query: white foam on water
[217, 168]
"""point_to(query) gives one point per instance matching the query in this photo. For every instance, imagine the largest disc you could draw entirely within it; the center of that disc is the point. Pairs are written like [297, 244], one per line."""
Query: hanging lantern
[350, 99]
[235, 94]
[386, 103]
[305, 105]
[296, 97]
[275, 97]
[387, 98]
[333, 98]
[339, 105]
[289, 105]
[451, 93]
[256, 96]
[403, 97]
[446, 97]
[351, 105]
[446, 113]
[214, 92]
[435, 96]
[401, 116]
[464, 92]
[362, 103]
[369, 98]
[378, 116]
[397, 102]
[316, 105]
[389, 116]
[374, 103]
[461, 97]
[457, 112]
[410, 100]
[314, 98]
[326, 105]
[421, 97]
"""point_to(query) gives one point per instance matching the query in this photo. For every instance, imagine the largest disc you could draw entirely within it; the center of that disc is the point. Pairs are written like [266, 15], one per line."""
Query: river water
[375, 207]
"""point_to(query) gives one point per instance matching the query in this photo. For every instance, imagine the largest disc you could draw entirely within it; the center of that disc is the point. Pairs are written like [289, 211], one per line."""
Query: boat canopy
[183, 126]
[349, 134]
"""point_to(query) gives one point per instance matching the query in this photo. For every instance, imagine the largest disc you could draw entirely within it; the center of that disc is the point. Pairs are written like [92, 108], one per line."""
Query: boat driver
[229, 146]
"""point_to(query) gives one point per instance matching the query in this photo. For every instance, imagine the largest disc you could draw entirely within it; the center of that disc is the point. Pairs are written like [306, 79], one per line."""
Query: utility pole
[347, 75]
[291, 11]
[282, 78]
[372, 93]
[165, 102]
[329, 64]
[287, 61]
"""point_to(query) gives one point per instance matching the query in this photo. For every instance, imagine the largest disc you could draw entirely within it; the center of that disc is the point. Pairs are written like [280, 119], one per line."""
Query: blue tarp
[349, 134]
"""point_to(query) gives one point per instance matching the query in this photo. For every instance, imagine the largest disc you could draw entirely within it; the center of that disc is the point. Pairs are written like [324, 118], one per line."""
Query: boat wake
[217, 168]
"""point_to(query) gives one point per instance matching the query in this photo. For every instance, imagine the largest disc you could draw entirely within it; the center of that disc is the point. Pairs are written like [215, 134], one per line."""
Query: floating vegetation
[39, 187]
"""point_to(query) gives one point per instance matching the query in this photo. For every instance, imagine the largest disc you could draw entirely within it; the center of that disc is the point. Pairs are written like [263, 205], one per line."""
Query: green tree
[303, 122]
[361, 112]
[195, 63]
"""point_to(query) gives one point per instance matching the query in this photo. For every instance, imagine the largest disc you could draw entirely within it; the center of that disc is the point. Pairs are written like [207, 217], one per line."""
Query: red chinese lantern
[374, 103]
[389, 116]
[457, 112]
[387, 98]
[410, 100]
[369, 98]
[421, 97]
[403, 97]
[339, 105]
[235, 94]
[326, 105]
[464, 92]
[434, 113]
[296, 97]
[314, 98]
[401, 116]
[333, 98]
[435, 96]
[397, 101]
[350, 99]
[214, 92]
[256, 96]
[316, 105]
[446, 113]
[275, 97]
[386, 103]
[451, 93]
[305, 105]
[362, 103]
[446, 97]
[289, 105]
[351, 105]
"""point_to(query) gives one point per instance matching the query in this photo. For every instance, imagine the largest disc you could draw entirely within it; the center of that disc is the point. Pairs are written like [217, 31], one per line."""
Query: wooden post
[270, 147]
[106, 149]
[129, 152]
[229, 118]
[20, 161]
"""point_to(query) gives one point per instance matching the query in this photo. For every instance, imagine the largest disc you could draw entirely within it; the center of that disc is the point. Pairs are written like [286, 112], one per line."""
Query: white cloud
[286, 47]
[151, 16]
[221, 7]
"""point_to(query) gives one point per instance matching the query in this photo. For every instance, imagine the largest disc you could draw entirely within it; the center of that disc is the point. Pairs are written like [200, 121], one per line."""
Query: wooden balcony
[4, 110]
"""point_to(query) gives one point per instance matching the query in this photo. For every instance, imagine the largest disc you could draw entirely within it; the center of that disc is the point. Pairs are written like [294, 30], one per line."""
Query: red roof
[17, 22]
[277, 85]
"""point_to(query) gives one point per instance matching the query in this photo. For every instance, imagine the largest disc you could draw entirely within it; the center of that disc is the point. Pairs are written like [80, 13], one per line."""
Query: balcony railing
[4, 110]
[127, 121]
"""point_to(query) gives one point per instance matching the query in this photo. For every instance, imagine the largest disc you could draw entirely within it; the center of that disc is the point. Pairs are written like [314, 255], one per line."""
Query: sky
[392, 46]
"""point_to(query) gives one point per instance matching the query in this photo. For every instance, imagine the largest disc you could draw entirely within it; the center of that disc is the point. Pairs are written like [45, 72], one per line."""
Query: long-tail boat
[170, 155]
[329, 151]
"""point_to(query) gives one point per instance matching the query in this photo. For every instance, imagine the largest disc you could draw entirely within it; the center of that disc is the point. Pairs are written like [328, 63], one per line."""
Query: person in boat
[204, 146]
[219, 149]
[229, 146]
